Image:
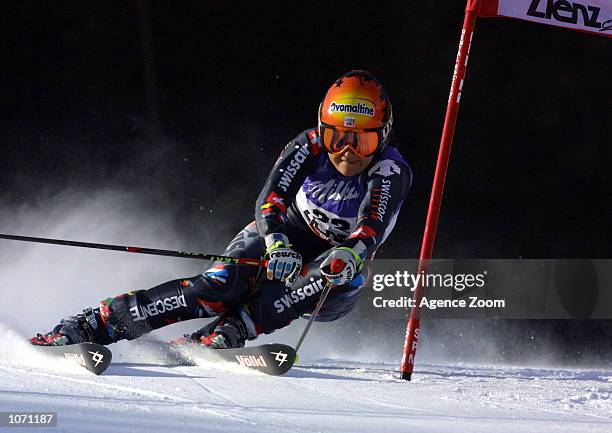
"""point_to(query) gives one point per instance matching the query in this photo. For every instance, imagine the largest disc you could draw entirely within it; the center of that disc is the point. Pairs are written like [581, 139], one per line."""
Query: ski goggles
[362, 142]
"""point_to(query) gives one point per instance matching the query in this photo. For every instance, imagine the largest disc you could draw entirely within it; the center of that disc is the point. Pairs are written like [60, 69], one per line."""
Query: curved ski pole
[315, 313]
[140, 250]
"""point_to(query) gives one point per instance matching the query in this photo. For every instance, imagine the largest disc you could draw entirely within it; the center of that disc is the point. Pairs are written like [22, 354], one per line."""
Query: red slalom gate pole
[435, 200]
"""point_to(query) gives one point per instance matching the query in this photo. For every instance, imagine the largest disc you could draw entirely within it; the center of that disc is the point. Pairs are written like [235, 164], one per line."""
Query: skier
[333, 195]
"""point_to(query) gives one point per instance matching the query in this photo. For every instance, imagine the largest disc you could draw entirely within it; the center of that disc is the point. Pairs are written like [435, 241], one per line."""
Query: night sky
[191, 102]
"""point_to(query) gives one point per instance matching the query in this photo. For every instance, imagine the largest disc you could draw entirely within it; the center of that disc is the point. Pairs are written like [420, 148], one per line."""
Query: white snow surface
[343, 383]
[325, 395]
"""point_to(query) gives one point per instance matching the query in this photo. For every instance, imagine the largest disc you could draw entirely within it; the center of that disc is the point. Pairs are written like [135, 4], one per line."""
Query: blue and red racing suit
[317, 208]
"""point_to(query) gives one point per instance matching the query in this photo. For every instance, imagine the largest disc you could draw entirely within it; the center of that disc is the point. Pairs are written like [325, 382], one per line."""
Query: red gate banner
[592, 16]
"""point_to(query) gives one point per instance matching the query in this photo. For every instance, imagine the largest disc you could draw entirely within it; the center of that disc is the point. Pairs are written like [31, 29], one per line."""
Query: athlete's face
[348, 163]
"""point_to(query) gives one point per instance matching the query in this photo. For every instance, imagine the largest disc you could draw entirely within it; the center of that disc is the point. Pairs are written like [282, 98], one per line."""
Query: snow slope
[40, 284]
[320, 396]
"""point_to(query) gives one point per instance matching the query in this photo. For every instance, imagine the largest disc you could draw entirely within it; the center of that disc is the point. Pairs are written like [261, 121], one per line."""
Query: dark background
[191, 102]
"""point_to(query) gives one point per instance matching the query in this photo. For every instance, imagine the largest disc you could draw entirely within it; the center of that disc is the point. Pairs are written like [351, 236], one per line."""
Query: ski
[272, 359]
[94, 357]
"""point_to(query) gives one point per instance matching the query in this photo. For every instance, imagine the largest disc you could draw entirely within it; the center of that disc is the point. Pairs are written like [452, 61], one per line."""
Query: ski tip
[91, 356]
[272, 359]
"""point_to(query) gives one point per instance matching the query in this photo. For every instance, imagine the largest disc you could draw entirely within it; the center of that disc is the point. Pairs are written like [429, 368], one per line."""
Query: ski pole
[139, 250]
[326, 289]
[336, 266]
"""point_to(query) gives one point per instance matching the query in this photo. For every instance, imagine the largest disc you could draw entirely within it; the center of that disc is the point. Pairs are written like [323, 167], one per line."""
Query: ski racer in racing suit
[333, 194]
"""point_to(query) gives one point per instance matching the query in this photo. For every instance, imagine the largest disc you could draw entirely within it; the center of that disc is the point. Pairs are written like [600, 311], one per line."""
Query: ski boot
[229, 331]
[82, 328]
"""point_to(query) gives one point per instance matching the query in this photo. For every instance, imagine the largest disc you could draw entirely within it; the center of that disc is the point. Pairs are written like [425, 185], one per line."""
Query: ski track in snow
[322, 396]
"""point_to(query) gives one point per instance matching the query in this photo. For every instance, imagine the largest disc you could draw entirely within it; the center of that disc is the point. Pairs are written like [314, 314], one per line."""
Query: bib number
[335, 230]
